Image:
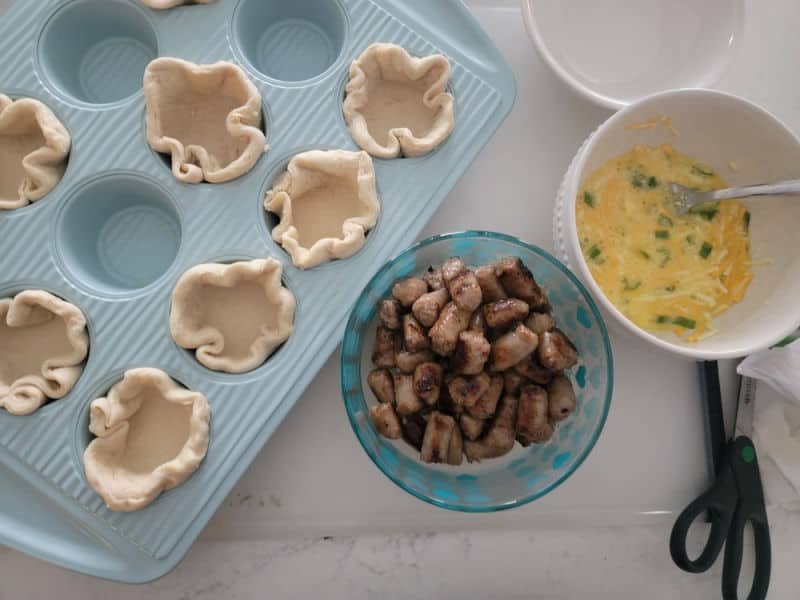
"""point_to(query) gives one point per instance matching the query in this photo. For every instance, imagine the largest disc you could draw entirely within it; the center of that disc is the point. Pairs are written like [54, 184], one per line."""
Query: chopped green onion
[664, 221]
[662, 234]
[594, 252]
[691, 239]
[705, 250]
[644, 254]
[631, 285]
[684, 322]
[707, 213]
[666, 255]
[747, 220]
[588, 198]
[652, 182]
[701, 171]
[662, 319]
[669, 288]
[638, 179]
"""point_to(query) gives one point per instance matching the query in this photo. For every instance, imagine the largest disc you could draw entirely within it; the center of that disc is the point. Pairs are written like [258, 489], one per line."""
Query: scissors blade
[715, 423]
[746, 405]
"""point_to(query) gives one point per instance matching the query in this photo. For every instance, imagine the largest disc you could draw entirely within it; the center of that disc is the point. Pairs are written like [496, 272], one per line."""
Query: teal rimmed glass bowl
[524, 474]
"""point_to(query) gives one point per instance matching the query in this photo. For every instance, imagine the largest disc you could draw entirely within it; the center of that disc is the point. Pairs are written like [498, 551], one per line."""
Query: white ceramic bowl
[615, 52]
[718, 129]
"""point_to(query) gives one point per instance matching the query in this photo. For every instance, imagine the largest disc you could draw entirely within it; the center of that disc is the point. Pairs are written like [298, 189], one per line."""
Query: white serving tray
[313, 479]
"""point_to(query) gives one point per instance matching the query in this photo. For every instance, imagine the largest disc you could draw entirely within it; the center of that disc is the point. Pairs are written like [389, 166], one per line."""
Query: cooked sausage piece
[539, 322]
[385, 420]
[428, 306]
[444, 333]
[519, 283]
[491, 287]
[562, 398]
[487, 403]
[382, 385]
[472, 350]
[533, 424]
[390, 313]
[511, 382]
[499, 439]
[387, 342]
[428, 381]
[512, 347]
[436, 442]
[556, 351]
[433, 277]
[531, 368]
[465, 291]
[455, 452]
[501, 314]
[414, 429]
[414, 336]
[466, 390]
[408, 361]
[405, 398]
[470, 426]
[477, 322]
[408, 290]
[452, 268]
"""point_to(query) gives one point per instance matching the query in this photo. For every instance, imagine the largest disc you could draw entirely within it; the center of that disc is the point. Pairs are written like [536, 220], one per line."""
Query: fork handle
[791, 186]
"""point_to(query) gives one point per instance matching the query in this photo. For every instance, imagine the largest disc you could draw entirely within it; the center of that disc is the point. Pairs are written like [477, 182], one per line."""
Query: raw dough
[34, 146]
[151, 435]
[234, 315]
[397, 104]
[162, 4]
[43, 343]
[327, 201]
[208, 117]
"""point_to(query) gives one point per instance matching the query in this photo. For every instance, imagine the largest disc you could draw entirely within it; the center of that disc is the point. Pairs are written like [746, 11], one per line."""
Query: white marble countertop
[566, 560]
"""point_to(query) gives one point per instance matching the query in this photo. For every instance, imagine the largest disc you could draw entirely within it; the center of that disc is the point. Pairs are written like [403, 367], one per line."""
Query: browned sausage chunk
[408, 290]
[557, 352]
[491, 287]
[470, 426]
[428, 306]
[433, 277]
[562, 398]
[455, 452]
[533, 425]
[444, 333]
[390, 313]
[501, 314]
[465, 391]
[512, 347]
[428, 381]
[499, 439]
[540, 322]
[387, 342]
[452, 268]
[408, 361]
[405, 398]
[471, 353]
[414, 336]
[511, 382]
[519, 283]
[436, 442]
[382, 385]
[465, 291]
[487, 403]
[385, 420]
[530, 368]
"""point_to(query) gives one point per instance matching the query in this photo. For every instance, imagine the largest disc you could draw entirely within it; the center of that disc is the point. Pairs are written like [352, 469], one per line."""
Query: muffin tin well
[118, 230]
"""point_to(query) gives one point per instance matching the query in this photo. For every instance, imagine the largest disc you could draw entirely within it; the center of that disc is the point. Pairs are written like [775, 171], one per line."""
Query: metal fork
[684, 198]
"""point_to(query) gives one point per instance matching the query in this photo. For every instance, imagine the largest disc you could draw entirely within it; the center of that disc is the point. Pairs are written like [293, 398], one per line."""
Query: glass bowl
[524, 474]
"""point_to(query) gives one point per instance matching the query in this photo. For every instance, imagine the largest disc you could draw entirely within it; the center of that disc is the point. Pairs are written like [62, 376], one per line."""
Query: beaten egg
[664, 271]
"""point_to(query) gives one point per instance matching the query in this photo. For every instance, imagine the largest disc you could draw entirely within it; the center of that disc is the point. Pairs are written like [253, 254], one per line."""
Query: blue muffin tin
[116, 233]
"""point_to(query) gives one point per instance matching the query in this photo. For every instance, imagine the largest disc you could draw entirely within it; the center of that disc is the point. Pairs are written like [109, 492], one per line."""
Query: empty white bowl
[615, 52]
[744, 144]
